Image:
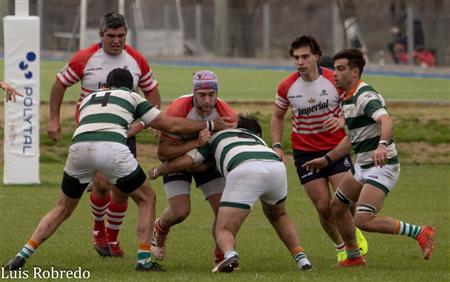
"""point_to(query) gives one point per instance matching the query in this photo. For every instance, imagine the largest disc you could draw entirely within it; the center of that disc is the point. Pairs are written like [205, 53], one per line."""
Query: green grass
[421, 196]
[254, 85]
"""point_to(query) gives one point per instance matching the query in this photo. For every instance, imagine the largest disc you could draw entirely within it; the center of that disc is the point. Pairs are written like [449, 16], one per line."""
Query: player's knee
[148, 195]
[324, 210]
[337, 207]
[181, 213]
[364, 215]
[340, 202]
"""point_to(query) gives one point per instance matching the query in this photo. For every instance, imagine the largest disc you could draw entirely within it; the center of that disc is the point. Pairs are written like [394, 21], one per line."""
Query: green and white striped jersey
[361, 112]
[231, 147]
[107, 115]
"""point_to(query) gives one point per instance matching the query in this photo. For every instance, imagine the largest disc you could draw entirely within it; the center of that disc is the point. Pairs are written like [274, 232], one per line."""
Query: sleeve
[71, 73]
[176, 109]
[147, 80]
[372, 105]
[199, 155]
[144, 110]
[281, 100]
[224, 110]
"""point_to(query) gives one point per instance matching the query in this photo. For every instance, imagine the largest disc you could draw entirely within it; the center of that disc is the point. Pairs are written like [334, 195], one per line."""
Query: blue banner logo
[23, 65]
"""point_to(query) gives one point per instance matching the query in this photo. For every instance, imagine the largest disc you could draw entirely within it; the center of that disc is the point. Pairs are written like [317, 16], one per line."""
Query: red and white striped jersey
[311, 103]
[92, 65]
[183, 107]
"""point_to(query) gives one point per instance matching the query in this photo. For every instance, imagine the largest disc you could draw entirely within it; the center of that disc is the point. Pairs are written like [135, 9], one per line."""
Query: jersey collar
[352, 91]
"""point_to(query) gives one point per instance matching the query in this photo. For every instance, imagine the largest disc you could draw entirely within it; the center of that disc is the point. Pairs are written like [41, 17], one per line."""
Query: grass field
[255, 85]
[421, 196]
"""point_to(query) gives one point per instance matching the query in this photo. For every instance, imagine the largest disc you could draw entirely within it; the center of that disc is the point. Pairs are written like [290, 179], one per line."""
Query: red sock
[98, 207]
[115, 215]
[218, 255]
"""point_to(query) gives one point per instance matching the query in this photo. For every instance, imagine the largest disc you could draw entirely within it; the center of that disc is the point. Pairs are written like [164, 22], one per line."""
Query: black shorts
[199, 177]
[131, 143]
[338, 166]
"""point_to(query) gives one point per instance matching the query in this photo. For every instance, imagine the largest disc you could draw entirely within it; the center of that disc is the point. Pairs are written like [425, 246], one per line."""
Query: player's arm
[56, 98]
[386, 126]
[136, 127]
[169, 149]
[342, 149]
[178, 125]
[276, 130]
[176, 165]
[153, 97]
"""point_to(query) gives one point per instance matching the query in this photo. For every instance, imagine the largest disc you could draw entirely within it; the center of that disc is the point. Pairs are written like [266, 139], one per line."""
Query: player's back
[106, 115]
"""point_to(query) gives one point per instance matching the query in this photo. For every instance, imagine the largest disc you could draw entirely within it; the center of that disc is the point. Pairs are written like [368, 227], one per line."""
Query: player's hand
[222, 123]
[135, 128]
[153, 173]
[280, 153]
[334, 124]
[380, 156]
[203, 137]
[10, 92]
[315, 164]
[54, 130]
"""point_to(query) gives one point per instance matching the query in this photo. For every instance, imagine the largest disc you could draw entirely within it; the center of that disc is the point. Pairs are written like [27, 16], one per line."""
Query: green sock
[409, 230]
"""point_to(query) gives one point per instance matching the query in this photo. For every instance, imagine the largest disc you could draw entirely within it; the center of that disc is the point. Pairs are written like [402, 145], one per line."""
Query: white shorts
[112, 159]
[252, 180]
[181, 187]
[384, 177]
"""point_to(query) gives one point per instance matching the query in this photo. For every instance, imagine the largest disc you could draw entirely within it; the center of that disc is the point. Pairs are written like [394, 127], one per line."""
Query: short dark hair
[120, 78]
[249, 122]
[305, 41]
[355, 59]
[112, 20]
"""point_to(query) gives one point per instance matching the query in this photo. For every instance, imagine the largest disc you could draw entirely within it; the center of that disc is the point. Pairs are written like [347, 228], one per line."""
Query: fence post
[266, 30]
[198, 25]
[410, 32]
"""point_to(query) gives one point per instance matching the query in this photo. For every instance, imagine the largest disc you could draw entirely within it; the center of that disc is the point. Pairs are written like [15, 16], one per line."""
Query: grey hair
[112, 20]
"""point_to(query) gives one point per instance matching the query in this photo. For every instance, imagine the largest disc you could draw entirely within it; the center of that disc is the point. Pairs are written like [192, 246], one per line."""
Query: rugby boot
[349, 262]
[426, 241]
[341, 255]
[227, 265]
[101, 244]
[149, 267]
[115, 249]
[15, 263]
[159, 241]
[361, 241]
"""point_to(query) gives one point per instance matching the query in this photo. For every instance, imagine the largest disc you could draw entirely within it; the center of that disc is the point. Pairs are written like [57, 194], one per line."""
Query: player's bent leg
[346, 195]
[178, 210]
[72, 190]
[285, 228]
[229, 220]
[214, 201]
[136, 186]
[319, 194]
[371, 200]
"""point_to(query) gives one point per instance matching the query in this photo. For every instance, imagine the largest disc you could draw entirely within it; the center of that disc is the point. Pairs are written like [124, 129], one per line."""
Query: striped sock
[340, 247]
[27, 250]
[298, 253]
[352, 254]
[144, 255]
[98, 207]
[410, 230]
[115, 215]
